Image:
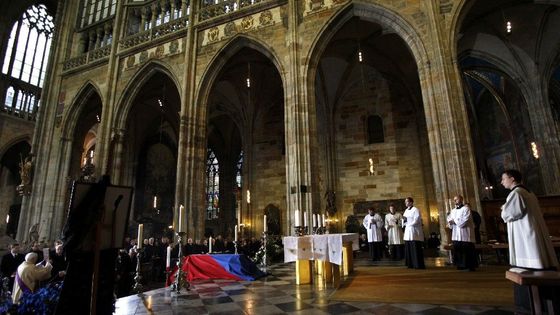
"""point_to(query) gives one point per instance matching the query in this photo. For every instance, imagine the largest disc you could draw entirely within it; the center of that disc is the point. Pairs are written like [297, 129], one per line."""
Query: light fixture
[160, 102]
[98, 118]
[7, 219]
[248, 80]
[155, 202]
[508, 27]
[535, 150]
[360, 57]
[248, 196]
[371, 167]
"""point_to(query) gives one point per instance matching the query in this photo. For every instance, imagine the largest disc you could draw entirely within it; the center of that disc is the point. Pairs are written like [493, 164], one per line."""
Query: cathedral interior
[236, 109]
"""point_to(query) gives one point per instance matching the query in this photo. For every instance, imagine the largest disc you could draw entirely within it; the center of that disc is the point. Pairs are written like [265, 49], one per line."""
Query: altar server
[461, 223]
[413, 236]
[528, 237]
[372, 223]
[393, 221]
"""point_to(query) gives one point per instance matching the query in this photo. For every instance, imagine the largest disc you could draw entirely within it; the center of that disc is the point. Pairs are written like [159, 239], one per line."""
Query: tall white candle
[168, 260]
[181, 216]
[314, 220]
[323, 219]
[210, 245]
[296, 219]
[236, 227]
[304, 218]
[265, 227]
[140, 235]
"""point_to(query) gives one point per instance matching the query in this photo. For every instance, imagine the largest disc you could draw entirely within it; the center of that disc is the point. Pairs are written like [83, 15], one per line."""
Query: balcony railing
[154, 33]
[87, 58]
[210, 9]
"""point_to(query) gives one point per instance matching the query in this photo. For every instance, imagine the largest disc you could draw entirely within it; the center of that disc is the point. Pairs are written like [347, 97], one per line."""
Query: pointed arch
[214, 67]
[133, 87]
[375, 13]
[14, 141]
[71, 118]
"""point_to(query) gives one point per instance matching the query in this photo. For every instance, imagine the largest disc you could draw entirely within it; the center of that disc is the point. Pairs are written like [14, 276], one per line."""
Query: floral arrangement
[41, 302]
[273, 248]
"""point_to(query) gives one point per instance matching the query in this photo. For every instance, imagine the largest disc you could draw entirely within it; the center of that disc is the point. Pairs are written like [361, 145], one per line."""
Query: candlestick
[210, 245]
[323, 220]
[296, 219]
[140, 236]
[181, 216]
[314, 220]
[265, 225]
[168, 260]
[305, 218]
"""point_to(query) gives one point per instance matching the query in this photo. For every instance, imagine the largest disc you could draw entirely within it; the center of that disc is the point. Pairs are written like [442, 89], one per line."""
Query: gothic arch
[14, 141]
[220, 59]
[370, 12]
[70, 119]
[143, 75]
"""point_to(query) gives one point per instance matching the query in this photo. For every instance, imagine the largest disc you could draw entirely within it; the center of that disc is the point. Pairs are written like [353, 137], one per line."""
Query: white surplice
[373, 224]
[413, 230]
[463, 226]
[394, 231]
[529, 240]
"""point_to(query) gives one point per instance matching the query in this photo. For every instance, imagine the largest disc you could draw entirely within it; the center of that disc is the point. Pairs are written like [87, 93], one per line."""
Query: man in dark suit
[10, 263]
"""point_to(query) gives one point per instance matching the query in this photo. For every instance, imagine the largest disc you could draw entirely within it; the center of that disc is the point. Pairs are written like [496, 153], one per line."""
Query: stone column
[453, 159]
[298, 129]
[544, 132]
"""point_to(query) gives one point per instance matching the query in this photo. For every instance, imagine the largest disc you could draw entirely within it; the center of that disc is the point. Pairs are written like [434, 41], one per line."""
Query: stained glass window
[212, 186]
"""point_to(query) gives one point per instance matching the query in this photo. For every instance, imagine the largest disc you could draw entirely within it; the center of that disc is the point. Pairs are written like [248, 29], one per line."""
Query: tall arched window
[26, 60]
[375, 129]
[212, 186]
[97, 10]
[239, 170]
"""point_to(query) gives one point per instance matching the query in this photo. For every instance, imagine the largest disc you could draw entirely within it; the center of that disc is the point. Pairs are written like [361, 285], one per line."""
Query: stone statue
[330, 196]
[33, 235]
[25, 173]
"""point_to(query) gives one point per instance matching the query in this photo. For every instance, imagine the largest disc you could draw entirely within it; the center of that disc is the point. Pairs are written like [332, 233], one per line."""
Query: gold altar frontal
[329, 272]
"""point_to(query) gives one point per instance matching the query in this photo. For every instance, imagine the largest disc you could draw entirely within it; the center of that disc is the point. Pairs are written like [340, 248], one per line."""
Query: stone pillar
[544, 132]
[452, 155]
[298, 129]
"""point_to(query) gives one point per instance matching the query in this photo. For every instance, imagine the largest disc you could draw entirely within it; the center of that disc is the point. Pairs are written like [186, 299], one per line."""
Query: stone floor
[277, 294]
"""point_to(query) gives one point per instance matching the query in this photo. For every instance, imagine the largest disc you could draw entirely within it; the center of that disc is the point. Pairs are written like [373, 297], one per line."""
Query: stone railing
[87, 58]
[154, 33]
[213, 10]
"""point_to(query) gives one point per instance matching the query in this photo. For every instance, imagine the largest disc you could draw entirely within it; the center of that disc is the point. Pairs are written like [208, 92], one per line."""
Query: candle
[323, 220]
[168, 260]
[314, 220]
[235, 234]
[181, 216]
[305, 218]
[296, 219]
[265, 227]
[140, 235]
[210, 245]
[238, 216]
[155, 202]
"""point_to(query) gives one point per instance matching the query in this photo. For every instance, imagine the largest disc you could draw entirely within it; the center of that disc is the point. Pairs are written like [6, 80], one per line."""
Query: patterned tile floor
[277, 294]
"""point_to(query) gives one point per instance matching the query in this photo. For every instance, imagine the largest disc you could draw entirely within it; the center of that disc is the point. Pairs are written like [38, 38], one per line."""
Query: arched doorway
[245, 137]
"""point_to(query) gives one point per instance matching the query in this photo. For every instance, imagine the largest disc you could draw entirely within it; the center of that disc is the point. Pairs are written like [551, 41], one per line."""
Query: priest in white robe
[413, 236]
[373, 223]
[28, 276]
[393, 221]
[461, 223]
[529, 241]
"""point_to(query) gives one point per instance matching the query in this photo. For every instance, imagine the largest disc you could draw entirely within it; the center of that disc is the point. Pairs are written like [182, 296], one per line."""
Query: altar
[332, 255]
